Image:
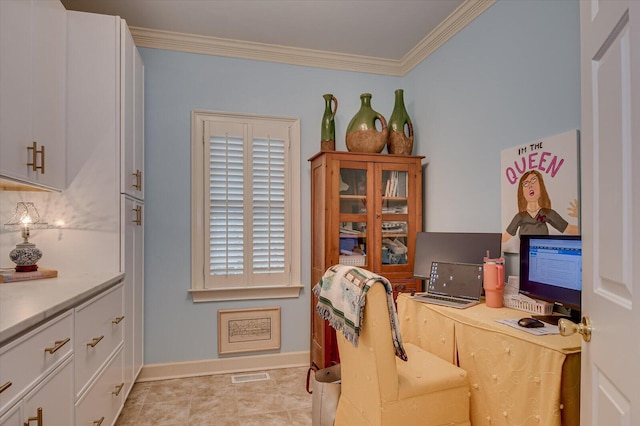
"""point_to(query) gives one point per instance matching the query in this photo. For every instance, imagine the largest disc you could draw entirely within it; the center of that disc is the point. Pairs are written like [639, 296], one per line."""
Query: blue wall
[509, 77]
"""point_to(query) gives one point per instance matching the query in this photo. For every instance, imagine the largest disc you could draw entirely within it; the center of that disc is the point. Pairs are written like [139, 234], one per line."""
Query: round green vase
[328, 134]
[362, 135]
[400, 128]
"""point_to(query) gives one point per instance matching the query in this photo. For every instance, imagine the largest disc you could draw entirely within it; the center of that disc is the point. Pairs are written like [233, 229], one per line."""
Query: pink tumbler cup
[493, 281]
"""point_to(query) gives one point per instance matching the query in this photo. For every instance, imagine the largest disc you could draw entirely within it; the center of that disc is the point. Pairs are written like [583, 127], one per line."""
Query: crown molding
[216, 46]
[460, 18]
[190, 43]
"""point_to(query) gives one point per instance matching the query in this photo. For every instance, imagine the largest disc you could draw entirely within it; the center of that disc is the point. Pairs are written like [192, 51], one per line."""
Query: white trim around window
[245, 207]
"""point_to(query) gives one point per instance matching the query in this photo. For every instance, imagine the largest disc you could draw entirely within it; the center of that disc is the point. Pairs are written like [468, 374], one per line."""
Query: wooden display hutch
[365, 211]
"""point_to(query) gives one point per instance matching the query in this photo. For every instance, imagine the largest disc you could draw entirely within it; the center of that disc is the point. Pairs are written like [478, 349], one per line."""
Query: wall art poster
[540, 186]
[248, 330]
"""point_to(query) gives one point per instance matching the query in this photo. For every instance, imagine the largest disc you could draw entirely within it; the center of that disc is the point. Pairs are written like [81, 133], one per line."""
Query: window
[245, 207]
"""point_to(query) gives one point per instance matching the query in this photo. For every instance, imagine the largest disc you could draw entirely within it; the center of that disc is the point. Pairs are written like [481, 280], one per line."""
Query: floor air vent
[252, 377]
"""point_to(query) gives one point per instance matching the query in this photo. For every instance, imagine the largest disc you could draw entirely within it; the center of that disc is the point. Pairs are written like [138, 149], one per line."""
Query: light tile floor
[213, 400]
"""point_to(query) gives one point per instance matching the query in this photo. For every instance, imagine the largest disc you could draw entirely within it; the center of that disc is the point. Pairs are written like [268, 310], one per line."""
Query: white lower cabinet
[101, 403]
[50, 403]
[30, 358]
[99, 331]
[133, 260]
[99, 384]
[12, 417]
[69, 370]
[52, 399]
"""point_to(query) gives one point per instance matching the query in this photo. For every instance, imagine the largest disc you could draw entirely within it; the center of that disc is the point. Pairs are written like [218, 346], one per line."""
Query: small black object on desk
[529, 322]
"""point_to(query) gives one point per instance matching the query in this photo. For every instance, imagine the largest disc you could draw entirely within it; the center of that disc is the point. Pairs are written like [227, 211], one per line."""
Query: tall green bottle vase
[328, 134]
[400, 128]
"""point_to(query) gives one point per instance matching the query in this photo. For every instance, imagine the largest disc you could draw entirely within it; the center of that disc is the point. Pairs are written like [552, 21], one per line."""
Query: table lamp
[26, 254]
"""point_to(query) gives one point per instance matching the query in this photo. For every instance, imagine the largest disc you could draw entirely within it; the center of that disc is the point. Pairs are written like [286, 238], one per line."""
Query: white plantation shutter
[226, 205]
[269, 202]
[247, 195]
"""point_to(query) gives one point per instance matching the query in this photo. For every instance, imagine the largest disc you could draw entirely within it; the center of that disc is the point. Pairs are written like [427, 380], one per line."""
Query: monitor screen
[460, 247]
[551, 268]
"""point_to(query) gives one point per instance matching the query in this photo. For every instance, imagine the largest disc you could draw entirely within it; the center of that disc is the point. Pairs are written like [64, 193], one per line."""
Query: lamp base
[29, 268]
[25, 256]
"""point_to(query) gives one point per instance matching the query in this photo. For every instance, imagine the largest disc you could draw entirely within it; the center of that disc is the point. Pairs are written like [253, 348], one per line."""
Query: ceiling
[362, 29]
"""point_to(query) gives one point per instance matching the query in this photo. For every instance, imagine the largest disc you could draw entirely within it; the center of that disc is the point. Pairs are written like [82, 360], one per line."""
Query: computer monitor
[551, 270]
[461, 247]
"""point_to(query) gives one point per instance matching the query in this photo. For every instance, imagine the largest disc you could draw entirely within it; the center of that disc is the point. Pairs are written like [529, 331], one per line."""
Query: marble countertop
[25, 304]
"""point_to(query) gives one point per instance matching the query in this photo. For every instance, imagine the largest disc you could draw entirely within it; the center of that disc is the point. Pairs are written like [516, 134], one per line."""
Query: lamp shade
[25, 214]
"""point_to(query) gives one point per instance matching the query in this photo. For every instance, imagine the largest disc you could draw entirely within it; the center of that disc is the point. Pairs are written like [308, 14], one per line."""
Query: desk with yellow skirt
[516, 378]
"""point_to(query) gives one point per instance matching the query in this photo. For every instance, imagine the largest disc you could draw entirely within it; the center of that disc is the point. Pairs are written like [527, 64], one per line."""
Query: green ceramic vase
[400, 128]
[362, 135]
[328, 134]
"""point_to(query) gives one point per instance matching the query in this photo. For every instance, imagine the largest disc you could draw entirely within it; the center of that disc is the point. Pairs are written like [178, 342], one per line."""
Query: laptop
[454, 284]
[464, 247]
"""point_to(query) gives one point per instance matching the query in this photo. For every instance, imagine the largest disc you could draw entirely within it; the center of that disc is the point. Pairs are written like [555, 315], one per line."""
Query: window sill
[244, 293]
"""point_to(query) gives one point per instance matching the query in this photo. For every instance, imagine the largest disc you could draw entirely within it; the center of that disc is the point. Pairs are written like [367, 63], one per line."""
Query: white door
[610, 150]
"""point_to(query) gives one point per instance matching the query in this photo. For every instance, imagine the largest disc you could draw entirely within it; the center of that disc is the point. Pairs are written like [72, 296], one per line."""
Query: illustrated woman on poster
[534, 210]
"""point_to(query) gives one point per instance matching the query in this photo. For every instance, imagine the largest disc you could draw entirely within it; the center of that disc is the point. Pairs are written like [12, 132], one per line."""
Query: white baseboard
[175, 370]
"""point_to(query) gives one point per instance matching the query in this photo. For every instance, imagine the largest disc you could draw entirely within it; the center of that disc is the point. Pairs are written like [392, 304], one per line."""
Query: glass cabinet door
[394, 217]
[353, 215]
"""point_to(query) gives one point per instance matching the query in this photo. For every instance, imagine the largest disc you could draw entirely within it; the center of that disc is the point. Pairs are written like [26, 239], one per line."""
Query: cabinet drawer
[54, 396]
[104, 398]
[99, 331]
[12, 417]
[26, 360]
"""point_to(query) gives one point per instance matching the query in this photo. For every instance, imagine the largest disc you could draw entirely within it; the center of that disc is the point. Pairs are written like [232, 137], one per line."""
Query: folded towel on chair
[341, 296]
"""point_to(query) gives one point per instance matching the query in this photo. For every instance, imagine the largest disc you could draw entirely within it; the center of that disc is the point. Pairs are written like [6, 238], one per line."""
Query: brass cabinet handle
[138, 184]
[37, 418]
[138, 219]
[95, 341]
[5, 387]
[117, 320]
[98, 422]
[57, 345]
[118, 389]
[41, 167]
[34, 149]
[34, 157]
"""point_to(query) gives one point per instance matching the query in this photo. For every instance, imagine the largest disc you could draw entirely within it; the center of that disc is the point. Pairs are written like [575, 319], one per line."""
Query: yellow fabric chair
[380, 389]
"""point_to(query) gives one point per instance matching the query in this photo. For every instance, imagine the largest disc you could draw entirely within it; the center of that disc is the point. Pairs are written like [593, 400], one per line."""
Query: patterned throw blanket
[341, 296]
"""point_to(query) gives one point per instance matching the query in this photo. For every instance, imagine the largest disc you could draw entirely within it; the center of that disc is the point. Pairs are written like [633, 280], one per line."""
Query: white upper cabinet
[93, 129]
[33, 37]
[132, 117]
